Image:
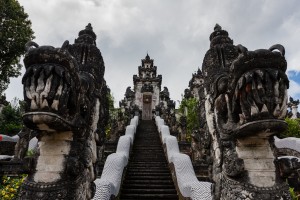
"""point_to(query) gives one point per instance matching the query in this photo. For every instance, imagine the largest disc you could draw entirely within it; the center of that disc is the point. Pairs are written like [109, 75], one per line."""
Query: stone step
[148, 175]
[162, 161]
[141, 171]
[145, 164]
[149, 191]
[137, 177]
[146, 159]
[154, 159]
[148, 186]
[149, 196]
[140, 168]
[146, 150]
[146, 171]
[159, 182]
[150, 154]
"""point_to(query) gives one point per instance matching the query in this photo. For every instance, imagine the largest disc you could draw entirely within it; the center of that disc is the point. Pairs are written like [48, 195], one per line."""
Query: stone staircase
[148, 175]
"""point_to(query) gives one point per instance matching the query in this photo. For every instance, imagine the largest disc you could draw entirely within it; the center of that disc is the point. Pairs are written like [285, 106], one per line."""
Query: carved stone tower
[195, 83]
[147, 86]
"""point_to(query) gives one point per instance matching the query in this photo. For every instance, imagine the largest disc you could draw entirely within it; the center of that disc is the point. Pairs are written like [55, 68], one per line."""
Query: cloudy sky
[175, 33]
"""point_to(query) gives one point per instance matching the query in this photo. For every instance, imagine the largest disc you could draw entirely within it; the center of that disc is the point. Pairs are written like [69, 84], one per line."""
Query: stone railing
[108, 185]
[15, 164]
[290, 143]
[33, 144]
[183, 174]
[288, 150]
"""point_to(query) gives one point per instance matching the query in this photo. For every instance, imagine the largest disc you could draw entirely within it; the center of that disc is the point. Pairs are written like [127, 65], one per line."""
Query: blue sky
[294, 77]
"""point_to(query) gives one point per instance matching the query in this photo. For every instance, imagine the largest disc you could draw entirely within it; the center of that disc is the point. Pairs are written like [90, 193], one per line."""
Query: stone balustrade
[108, 185]
[181, 166]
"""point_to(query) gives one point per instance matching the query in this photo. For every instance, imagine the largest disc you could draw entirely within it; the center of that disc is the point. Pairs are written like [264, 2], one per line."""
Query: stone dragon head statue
[63, 90]
[245, 103]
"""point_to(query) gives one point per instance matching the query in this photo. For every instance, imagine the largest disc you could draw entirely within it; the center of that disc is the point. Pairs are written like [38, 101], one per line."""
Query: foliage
[10, 186]
[107, 131]
[3, 100]
[15, 32]
[293, 128]
[112, 114]
[111, 101]
[294, 195]
[30, 153]
[112, 111]
[189, 107]
[11, 119]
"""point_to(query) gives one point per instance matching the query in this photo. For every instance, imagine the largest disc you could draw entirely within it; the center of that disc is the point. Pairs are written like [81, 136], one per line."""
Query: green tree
[15, 32]
[294, 195]
[111, 101]
[11, 118]
[189, 107]
[293, 128]
[112, 112]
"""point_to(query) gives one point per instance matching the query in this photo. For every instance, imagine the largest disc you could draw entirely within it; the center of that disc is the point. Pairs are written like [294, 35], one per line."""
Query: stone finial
[199, 72]
[88, 31]
[219, 36]
[89, 27]
[293, 102]
[87, 35]
[147, 57]
[217, 27]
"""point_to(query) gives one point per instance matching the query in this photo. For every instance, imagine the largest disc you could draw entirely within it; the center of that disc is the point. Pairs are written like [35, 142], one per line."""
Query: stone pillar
[294, 111]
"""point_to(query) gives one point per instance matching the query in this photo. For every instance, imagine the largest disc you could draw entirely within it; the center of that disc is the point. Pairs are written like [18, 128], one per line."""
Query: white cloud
[174, 32]
[294, 90]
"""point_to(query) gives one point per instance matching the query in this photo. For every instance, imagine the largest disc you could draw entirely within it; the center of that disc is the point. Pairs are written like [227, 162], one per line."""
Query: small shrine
[146, 92]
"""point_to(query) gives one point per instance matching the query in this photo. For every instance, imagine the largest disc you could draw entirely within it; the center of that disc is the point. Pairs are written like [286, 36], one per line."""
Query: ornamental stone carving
[245, 105]
[65, 92]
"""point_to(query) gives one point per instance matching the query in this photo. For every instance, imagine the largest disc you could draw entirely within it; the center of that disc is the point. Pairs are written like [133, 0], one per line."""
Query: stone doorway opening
[147, 107]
